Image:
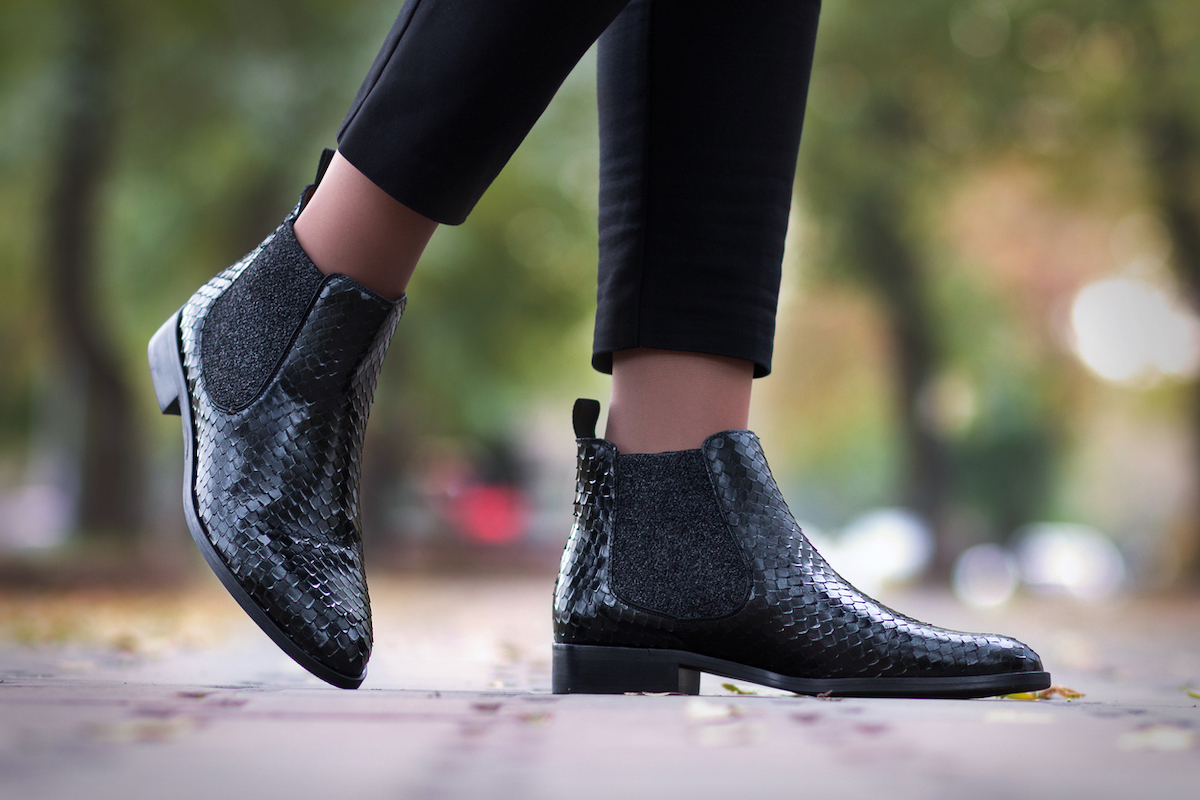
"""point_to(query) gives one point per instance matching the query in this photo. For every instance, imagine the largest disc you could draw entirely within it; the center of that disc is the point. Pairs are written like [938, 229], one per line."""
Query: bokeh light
[984, 576]
[1075, 559]
[1127, 330]
[881, 547]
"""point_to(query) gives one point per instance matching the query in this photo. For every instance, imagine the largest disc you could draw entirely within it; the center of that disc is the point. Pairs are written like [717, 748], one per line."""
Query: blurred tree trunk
[893, 271]
[111, 468]
[1175, 171]
[1172, 152]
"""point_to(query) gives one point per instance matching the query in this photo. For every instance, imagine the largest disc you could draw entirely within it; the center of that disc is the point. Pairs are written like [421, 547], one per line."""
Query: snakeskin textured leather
[802, 619]
[274, 485]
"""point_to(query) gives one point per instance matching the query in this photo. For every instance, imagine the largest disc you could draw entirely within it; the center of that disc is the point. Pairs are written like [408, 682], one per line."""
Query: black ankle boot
[272, 366]
[690, 562]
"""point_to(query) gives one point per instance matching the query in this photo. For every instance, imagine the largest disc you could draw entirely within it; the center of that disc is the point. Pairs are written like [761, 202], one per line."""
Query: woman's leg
[671, 400]
[352, 226]
[272, 363]
[684, 556]
[701, 106]
[454, 90]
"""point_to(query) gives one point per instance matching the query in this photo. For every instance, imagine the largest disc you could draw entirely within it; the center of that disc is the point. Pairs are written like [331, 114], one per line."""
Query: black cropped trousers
[701, 104]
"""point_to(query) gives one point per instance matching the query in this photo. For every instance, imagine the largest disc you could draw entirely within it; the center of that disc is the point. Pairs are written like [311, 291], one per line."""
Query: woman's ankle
[351, 226]
[665, 400]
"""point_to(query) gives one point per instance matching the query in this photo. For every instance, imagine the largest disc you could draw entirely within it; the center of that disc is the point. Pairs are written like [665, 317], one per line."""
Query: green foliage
[907, 100]
[223, 108]
[501, 306]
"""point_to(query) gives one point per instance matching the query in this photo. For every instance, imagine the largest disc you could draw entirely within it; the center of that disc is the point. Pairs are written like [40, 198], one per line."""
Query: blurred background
[988, 349]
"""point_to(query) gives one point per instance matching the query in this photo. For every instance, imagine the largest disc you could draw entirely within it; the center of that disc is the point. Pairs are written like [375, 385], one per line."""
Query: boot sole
[170, 388]
[596, 669]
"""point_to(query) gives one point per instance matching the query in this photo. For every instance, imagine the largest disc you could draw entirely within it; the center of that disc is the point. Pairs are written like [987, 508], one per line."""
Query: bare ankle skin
[665, 400]
[351, 226]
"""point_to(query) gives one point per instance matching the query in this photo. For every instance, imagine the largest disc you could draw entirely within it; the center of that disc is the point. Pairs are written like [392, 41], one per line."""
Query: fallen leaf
[733, 688]
[1045, 694]
[1187, 691]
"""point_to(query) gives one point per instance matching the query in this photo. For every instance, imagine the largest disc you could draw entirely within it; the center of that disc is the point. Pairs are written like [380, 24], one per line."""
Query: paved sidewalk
[149, 696]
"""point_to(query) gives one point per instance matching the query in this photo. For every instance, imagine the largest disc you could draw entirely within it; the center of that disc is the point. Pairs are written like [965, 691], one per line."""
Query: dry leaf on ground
[735, 689]
[1046, 694]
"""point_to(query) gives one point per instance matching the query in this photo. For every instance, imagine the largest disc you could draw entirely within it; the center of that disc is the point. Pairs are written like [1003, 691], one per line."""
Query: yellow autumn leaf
[1045, 694]
[729, 687]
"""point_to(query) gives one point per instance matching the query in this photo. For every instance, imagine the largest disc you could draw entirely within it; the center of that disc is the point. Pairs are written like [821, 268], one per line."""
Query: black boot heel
[591, 669]
[166, 369]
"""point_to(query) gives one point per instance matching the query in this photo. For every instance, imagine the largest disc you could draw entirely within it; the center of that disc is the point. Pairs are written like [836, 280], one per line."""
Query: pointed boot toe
[1023, 658]
[315, 597]
[272, 366]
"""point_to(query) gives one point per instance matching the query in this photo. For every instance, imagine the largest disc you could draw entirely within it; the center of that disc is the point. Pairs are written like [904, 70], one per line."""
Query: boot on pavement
[688, 562]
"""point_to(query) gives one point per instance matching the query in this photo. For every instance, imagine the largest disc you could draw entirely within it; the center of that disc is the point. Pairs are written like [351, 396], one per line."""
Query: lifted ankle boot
[272, 366]
[690, 562]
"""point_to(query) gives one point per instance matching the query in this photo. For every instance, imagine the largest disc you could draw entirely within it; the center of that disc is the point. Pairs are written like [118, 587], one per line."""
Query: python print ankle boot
[272, 366]
[690, 562]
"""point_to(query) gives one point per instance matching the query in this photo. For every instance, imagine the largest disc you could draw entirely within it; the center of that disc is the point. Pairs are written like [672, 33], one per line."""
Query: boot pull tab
[585, 415]
[322, 165]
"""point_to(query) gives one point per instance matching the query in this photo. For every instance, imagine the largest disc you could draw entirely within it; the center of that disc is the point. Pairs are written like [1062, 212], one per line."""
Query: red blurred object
[491, 514]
